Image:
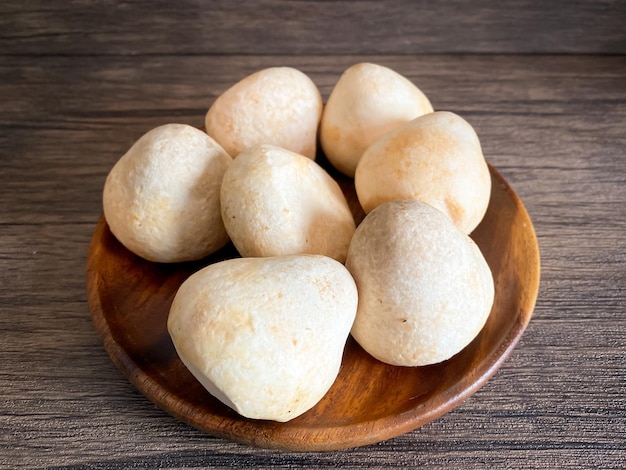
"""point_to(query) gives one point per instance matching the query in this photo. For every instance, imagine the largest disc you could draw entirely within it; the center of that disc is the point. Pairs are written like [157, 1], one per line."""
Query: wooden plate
[370, 401]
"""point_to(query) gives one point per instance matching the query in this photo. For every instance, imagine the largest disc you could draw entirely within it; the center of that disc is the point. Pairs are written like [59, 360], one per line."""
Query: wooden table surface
[545, 89]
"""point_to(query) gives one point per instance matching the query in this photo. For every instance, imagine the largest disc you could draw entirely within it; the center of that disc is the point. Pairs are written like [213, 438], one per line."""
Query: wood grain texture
[312, 27]
[79, 83]
[552, 125]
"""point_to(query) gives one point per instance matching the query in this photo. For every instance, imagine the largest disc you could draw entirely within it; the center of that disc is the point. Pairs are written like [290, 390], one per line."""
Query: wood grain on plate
[370, 401]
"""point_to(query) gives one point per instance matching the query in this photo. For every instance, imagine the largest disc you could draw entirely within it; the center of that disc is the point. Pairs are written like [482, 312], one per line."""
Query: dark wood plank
[552, 125]
[538, 120]
[312, 27]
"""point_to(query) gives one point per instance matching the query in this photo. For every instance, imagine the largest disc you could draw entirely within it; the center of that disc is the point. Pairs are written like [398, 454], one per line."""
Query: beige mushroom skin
[425, 290]
[161, 198]
[279, 106]
[276, 202]
[265, 336]
[436, 158]
[368, 101]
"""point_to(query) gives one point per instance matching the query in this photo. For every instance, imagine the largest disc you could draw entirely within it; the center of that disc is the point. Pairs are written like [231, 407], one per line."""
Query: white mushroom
[436, 158]
[278, 105]
[265, 336]
[368, 101]
[161, 199]
[425, 290]
[276, 202]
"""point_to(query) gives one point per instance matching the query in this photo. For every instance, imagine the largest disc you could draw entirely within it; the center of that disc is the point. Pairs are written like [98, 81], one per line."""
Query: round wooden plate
[370, 401]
